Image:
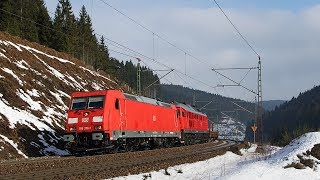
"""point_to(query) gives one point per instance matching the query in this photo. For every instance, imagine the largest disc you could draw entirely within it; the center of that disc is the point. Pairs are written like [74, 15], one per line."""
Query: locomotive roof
[146, 100]
[189, 108]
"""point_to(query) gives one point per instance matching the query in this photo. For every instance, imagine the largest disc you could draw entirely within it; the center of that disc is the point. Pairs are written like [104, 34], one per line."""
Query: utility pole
[259, 109]
[194, 98]
[138, 77]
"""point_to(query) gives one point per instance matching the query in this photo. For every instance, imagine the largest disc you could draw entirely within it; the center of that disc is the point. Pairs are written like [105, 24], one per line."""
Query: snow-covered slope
[250, 165]
[229, 128]
[35, 83]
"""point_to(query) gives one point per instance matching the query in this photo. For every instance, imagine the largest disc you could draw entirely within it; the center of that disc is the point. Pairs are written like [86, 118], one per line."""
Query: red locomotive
[111, 120]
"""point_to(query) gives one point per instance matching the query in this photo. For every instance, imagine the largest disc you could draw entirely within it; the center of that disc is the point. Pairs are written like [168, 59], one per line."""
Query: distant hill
[293, 118]
[271, 104]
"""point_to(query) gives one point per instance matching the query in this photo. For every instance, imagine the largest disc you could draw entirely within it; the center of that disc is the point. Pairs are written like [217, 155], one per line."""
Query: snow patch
[14, 45]
[96, 86]
[97, 74]
[229, 128]
[33, 93]
[13, 144]
[9, 71]
[15, 116]
[4, 43]
[50, 56]
[58, 97]
[21, 64]
[64, 94]
[34, 105]
[4, 56]
[75, 83]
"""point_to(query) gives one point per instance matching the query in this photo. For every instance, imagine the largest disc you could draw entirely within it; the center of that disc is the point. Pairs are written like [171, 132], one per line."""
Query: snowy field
[249, 166]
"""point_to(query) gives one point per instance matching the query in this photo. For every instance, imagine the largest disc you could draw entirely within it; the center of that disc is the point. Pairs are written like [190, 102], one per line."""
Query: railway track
[107, 166]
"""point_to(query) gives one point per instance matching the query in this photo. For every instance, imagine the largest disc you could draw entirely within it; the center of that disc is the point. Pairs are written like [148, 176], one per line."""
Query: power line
[234, 26]
[175, 46]
[121, 53]
[123, 47]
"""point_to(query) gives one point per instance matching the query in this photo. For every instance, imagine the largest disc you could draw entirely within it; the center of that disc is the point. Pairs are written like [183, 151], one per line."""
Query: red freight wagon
[112, 119]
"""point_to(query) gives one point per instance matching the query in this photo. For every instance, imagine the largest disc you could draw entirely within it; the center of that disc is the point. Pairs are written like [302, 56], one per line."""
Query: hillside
[271, 104]
[35, 83]
[293, 118]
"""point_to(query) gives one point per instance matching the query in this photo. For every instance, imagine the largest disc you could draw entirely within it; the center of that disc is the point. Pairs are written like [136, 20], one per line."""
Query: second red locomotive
[111, 120]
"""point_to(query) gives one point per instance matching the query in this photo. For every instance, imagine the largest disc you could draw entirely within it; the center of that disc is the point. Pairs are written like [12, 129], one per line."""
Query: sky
[285, 34]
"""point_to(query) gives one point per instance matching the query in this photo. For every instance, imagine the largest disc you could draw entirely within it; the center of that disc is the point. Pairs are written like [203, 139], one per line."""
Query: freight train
[110, 120]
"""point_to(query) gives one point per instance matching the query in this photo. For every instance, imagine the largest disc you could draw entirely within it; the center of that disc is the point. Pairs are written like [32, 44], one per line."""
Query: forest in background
[293, 118]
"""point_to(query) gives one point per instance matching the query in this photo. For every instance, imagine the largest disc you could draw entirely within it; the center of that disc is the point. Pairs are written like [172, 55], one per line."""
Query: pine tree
[9, 21]
[44, 24]
[58, 36]
[64, 37]
[86, 41]
[107, 64]
[28, 22]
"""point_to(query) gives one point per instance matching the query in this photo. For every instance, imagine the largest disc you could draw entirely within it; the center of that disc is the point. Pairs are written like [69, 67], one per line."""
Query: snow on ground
[250, 165]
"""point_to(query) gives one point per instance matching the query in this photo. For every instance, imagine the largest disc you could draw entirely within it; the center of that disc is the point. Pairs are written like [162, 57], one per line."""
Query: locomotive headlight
[97, 119]
[97, 127]
[72, 120]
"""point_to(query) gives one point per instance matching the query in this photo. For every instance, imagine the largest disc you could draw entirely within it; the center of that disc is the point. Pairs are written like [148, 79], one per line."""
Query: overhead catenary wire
[123, 47]
[149, 58]
[235, 27]
[180, 49]
[175, 46]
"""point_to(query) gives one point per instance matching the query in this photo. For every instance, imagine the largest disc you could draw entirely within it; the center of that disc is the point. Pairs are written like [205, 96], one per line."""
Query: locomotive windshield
[96, 102]
[81, 103]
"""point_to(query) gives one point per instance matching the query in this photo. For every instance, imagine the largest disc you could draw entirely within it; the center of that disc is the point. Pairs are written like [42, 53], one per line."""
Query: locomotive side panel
[147, 120]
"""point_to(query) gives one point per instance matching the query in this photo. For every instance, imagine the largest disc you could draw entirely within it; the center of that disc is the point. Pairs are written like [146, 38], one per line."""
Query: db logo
[154, 118]
[85, 120]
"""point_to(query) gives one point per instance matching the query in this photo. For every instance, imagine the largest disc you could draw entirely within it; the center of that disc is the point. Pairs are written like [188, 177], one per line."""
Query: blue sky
[284, 32]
